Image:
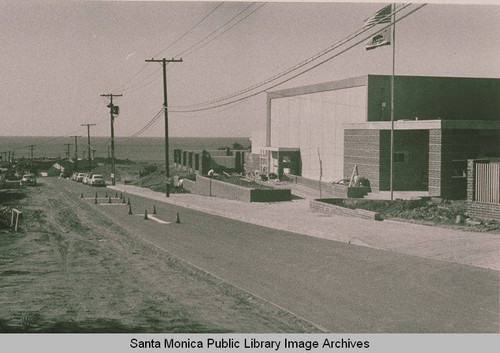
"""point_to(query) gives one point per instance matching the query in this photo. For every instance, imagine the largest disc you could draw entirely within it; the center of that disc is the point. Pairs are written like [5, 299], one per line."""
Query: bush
[147, 170]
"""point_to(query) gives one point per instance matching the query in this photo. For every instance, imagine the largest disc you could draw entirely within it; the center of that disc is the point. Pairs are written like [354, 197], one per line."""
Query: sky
[58, 57]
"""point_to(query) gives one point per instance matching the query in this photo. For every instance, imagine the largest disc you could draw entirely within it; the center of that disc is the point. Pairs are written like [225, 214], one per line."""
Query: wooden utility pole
[165, 106]
[113, 110]
[76, 153]
[67, 150]
[391, 181]
[88, 142]
[31, 151]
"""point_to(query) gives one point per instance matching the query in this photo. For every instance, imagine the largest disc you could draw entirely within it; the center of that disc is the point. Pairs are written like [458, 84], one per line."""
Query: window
[400, 157]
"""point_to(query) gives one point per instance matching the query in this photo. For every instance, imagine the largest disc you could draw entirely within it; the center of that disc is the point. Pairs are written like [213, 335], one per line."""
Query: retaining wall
[329, 189]
[326, 208]
[215, 188]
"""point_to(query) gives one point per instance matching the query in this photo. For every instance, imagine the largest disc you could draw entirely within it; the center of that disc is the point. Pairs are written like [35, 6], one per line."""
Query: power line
[189, 31]
[201, 41]
[296, 75]
[148, 125]
[211, 40]
[168, 47]
[289, 70]
[225, 24]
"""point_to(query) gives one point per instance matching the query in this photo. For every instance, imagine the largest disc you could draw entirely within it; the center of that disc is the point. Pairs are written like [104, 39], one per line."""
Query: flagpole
[392, 98]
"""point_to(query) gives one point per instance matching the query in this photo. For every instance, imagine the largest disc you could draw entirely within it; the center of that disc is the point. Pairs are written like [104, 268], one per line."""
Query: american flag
[382, 16]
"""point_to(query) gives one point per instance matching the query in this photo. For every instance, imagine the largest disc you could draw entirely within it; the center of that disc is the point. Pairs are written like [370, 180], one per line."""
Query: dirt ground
[72, 269]
[439, 213]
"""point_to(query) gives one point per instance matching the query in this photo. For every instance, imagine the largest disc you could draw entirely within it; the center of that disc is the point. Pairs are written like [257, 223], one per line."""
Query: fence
[487, 182]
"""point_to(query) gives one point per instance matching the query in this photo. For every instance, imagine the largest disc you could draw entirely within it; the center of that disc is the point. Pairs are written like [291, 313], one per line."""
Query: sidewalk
[469, 248]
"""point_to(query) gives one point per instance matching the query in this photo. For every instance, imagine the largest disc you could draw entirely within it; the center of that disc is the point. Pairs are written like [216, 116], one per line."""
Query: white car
[96, 180]
[87, 178]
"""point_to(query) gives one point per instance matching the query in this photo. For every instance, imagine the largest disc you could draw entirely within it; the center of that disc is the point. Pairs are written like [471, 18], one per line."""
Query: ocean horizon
[148, 149]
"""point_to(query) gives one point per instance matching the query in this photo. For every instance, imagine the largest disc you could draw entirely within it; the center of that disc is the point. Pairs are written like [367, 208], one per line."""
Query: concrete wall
[444, 98]
[215, 188]
[252, 162]
[326, 208]
[258, 139]
[328, 189]
[313, 122]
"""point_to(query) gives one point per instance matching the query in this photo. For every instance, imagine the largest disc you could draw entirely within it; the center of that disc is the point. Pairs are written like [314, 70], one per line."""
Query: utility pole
[113, 110]
[165, 106]
[88, 142]
[67, 151]
[31, 151]
[76, 152]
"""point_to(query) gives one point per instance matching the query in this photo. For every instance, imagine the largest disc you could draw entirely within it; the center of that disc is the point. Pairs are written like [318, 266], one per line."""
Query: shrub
[147, 170]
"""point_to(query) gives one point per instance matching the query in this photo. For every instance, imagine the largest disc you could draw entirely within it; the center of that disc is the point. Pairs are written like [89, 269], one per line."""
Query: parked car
[96, 180]
[28, 179]
[80, 177]
[86, 178]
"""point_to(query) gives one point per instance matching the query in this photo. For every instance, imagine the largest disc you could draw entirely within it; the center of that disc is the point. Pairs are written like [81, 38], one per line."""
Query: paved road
[342, 287]
[464, 247]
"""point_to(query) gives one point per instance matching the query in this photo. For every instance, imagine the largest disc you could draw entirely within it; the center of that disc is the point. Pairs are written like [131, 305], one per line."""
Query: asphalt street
[341, 287]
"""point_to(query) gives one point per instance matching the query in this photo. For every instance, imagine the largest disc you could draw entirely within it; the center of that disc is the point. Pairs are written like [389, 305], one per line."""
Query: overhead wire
[189, 31]
[303, 72]
[227, 29]
[237, 101]
[289, 70]
[168, 47]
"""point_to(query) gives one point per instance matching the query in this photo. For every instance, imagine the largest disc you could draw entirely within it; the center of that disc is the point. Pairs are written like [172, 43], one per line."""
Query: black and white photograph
[249, 176]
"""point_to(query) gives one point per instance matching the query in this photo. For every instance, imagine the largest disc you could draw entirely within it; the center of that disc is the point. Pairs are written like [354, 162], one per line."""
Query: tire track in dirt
[76, 270]
[205, 275]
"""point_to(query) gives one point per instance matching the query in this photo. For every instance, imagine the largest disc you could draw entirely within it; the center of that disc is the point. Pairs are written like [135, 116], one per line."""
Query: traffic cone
[121, 195]
[146, 214]
[81, 195]
[129, 209]
[128, 203]
[95, 200]
[116, 194]
[154, 209]
[96, 195]
[106, 194]
[109, 199]
[123, 200]
[178, 218]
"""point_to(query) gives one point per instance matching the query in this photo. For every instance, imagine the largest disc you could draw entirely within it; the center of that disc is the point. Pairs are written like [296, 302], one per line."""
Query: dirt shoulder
[72, 269]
